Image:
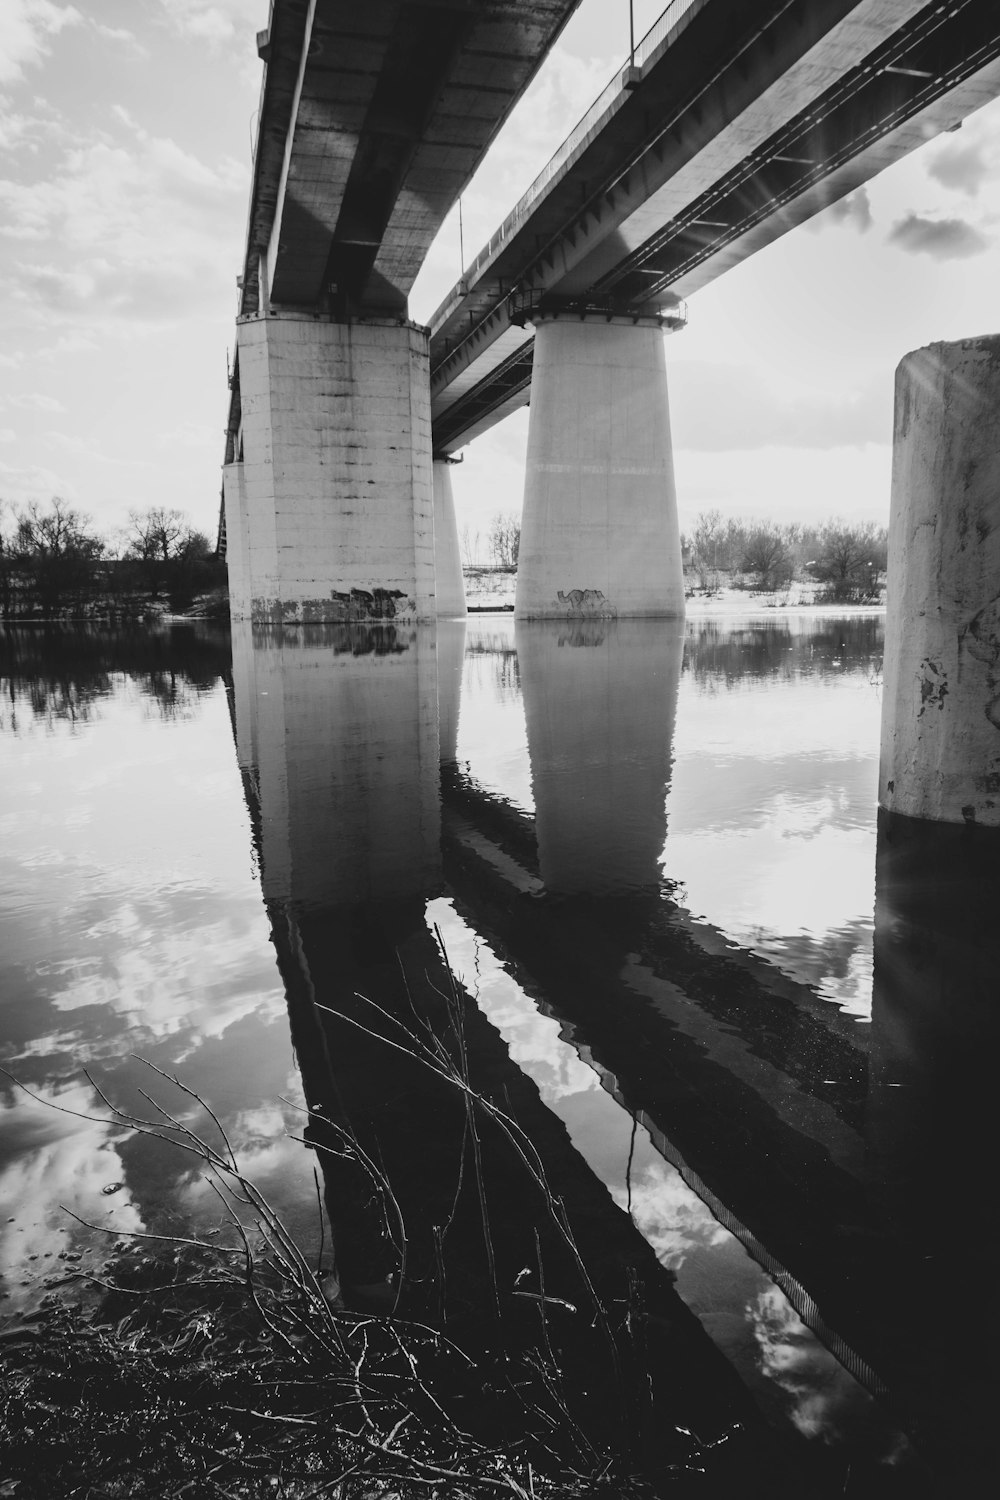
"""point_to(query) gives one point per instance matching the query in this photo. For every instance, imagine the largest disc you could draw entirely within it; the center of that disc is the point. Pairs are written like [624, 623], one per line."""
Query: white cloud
[7, 434]
[85, 447]
[942, 239]
[961, 165]
[210, 23]
[26, 29]
[193, 435]
[120, 34]
[69, 343]
[854, 210]
[145, 220]
[20, 482]
[718, 408]
[32, 401]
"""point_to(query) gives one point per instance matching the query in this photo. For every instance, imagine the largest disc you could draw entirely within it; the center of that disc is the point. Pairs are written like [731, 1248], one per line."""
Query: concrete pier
[329, 502]
[599, 534]
[940, 754]
[450, 588]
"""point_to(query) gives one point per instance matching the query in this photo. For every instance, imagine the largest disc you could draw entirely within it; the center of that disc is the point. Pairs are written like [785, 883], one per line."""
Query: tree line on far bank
[847, 557]
[54, 562]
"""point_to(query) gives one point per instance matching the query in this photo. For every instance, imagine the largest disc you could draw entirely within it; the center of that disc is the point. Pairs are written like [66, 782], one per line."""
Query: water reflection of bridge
[826, 1148]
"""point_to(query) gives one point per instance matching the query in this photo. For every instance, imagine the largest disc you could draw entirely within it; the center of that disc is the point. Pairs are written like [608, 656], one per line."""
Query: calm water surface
[651, 853]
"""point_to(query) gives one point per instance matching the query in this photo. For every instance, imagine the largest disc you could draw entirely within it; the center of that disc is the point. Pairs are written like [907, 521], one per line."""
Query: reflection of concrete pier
[450, 661]
[599, 703]
[931, 1127]
[340, 726]
[338, 731]
[855, 1164]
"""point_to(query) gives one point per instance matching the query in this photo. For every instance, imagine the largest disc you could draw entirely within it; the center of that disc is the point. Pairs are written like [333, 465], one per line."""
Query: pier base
[941, 699]
[599, 534]
[329, 499]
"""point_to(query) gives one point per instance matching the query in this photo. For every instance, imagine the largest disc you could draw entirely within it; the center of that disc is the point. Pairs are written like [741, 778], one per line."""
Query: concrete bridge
[730, 126]
[733, 121]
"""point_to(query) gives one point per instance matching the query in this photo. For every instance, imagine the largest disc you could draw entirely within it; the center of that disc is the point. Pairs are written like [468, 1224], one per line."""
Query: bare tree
[766, 557]
[504, 540]
[470, 543]
[52, 556]
[163, 542]
[708, 535]
[851, 559]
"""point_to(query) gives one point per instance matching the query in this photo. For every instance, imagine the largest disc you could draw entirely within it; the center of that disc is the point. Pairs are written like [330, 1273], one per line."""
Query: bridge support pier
[599, 533]
[450, 591]
[940, 755]
[329, 504]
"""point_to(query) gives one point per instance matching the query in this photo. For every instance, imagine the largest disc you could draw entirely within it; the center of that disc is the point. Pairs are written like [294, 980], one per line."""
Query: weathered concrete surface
[599, 534]
[450, 587]
[330, 506]
[941, 698]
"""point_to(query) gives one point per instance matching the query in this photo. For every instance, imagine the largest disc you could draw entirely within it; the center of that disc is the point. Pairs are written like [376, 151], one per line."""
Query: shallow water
[651, 853]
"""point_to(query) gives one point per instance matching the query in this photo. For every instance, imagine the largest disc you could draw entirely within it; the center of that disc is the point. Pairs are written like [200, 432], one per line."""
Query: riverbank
[493, 589]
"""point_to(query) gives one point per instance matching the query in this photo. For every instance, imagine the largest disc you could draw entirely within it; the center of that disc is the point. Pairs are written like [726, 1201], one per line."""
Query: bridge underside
[682, 178]
[740, 121]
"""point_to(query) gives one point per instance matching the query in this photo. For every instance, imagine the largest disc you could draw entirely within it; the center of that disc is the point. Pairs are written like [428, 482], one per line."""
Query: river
[751, 1026]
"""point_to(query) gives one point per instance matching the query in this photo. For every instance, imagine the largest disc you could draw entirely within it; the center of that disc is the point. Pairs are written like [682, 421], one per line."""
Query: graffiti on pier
[981, 638]
[588, 602]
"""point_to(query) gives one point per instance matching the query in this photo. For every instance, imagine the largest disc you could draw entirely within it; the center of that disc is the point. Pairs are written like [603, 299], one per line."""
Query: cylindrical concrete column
[941, 697]
[599, 534]
[449, 585]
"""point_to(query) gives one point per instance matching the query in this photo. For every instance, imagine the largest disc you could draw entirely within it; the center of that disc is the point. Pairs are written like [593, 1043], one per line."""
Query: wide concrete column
[450, 591]
[599, 533]
[329, 506]
[941, 697]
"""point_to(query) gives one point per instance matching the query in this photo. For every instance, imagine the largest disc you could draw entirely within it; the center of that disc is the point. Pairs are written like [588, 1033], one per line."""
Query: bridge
[733, 121]
[729, 126]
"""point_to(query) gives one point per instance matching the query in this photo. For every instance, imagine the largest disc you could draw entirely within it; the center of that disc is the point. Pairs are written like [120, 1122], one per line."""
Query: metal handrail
[609, 95]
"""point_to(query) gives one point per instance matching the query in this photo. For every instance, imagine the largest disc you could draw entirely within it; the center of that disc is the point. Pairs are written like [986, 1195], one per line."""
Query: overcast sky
[125, 130]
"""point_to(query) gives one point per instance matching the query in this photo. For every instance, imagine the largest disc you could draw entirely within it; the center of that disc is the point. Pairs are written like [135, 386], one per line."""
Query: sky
[125, 140]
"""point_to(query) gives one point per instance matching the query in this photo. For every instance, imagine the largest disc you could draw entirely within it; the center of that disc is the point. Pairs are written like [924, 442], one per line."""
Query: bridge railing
[644, 49]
